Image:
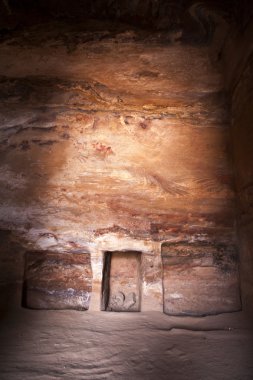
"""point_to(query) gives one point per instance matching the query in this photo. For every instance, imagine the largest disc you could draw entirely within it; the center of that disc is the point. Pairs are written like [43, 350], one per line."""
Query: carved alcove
[121, 288]
[57, 281]
[200, 278]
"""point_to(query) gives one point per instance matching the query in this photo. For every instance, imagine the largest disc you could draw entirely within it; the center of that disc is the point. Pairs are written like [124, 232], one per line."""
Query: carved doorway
[121, 289]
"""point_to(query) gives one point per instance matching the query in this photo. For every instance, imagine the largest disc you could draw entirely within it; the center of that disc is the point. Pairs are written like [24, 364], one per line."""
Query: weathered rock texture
[67, 344]
[57, 281]
[122, 281]
[116, 139]
[192, 275]
[238, 61]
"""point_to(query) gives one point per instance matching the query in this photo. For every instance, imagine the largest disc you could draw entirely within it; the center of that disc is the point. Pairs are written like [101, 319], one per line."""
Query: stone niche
[200, 279]
[57, 281]
[121, 288]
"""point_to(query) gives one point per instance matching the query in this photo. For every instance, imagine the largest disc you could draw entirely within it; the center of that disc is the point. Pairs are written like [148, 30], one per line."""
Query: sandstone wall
[57, 281]
[115, 139]
[192, 274]
[238, 61]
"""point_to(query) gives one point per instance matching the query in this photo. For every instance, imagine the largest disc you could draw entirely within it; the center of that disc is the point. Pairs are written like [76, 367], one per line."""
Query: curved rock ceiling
[159, 14]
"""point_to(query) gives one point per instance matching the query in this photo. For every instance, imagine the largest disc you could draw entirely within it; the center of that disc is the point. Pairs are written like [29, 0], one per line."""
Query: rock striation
[57, 281]
[115, 139]
[239, 79]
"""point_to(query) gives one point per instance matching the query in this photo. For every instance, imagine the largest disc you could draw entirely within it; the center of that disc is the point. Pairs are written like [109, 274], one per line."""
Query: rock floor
[49, 345]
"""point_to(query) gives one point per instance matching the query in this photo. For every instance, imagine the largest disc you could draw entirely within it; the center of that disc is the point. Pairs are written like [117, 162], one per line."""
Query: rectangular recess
[200, 278]
[121, 289]
[57, 280]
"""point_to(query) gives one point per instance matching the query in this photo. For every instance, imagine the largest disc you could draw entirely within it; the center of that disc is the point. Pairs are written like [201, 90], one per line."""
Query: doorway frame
[105, 288]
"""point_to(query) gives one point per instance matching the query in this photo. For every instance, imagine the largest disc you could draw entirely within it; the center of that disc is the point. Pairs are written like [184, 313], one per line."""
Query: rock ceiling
[197, 18]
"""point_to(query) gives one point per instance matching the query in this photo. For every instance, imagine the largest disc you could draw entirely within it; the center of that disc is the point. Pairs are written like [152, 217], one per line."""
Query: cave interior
[126, 169]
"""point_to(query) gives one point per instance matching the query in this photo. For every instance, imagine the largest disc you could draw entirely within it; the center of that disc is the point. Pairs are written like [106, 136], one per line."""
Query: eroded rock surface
[54, 281]
[239, 79]
[124, 282]
[192, 279]
[117, 141]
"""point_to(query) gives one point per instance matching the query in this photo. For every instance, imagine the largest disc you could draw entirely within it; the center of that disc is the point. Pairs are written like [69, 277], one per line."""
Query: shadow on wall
[32, 150]
[11, 270]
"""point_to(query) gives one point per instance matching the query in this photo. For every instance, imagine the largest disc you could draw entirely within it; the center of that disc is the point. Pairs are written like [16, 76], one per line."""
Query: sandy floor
[84, 345]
